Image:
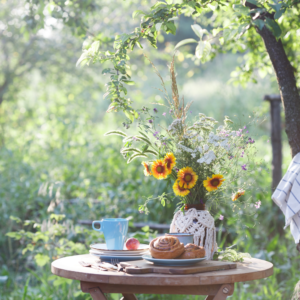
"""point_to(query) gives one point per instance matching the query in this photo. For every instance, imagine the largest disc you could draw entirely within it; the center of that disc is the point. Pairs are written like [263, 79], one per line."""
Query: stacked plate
[105, 254]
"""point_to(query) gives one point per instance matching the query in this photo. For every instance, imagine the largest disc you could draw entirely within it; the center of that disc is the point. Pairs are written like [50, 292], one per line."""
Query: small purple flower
[244, 167]
[191, 112]
[155, 110]
[245, 127]
[221, 217]
[171, 111]
[134, 138]
[230, 157]
[165, 144]
[267, 141]
[247, 131]
[155, 133]
[257, 204]
[150, 121]
[164, 114]
[141, 211]
[176, 169]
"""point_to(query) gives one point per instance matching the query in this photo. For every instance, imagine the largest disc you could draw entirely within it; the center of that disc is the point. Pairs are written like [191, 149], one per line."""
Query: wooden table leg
[224, 291]
[93, 290]
[97, 294]
[129, 297]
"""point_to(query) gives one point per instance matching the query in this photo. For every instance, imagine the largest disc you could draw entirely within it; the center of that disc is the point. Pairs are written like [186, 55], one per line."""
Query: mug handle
[97, 229]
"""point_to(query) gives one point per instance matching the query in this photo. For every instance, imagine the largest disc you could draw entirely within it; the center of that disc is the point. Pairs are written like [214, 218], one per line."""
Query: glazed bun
[192, 251]
[166, 247]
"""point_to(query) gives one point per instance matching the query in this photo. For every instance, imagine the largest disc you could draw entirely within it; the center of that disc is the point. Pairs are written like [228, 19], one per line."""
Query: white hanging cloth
[287, 197]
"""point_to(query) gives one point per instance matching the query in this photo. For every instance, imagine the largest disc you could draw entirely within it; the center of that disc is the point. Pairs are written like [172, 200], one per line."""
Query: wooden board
[144, 267]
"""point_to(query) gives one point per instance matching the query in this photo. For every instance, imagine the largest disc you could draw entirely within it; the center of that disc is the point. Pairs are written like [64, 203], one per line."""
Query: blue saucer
[109, 258]
[173, 262]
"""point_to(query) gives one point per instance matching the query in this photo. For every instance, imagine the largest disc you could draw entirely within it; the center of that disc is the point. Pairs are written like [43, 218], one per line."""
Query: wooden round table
[216, 284]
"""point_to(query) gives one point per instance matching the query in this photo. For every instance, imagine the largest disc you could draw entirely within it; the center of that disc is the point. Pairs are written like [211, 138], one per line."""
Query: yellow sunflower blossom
[238, 194]
[170, 161]
[212, 184]
[179, 190]
[147, 170]
[187, 177]
[159, 169]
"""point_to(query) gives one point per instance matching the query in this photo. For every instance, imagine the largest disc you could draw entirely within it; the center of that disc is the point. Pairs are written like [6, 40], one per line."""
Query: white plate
[109, 258]
[92, 251]
[143, 248]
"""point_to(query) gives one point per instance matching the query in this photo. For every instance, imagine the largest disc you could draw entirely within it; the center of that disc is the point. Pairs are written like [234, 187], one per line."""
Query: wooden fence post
[275, 101]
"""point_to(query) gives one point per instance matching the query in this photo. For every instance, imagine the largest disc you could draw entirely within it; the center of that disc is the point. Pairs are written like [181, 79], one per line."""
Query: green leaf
[203, 49]
[129, 115]
[14, 235]
[151, 152]
[112, 107]
[134, 156]
[279, 13]
[94, 47]
[259, 23]
[228, 34]
[41, 259]
[274, 27]
[198, 30]
[25, 289]
[184, 42]
[172, 27]
[16, 219]
[126, 150]
[129, 82]
[106, 71]
[137, 13]
[57, 217]
[84, 57]
[144, 139]
[116, 132]
[158, 26]
[241, 9]
[276, 7]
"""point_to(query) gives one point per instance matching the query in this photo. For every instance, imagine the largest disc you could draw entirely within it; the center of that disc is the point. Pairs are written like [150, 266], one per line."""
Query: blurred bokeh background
[57, 168]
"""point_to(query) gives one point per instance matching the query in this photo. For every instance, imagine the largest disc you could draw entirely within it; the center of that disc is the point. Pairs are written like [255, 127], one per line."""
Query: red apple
[132, 244]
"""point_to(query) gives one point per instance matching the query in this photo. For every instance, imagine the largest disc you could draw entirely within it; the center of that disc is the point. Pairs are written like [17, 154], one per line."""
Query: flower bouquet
[201, 159]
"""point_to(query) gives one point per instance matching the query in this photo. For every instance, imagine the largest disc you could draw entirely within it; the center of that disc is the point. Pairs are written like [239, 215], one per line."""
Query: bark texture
[287, 86]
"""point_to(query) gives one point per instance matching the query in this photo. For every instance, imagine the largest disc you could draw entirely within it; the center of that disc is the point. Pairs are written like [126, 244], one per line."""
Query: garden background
[57, 168]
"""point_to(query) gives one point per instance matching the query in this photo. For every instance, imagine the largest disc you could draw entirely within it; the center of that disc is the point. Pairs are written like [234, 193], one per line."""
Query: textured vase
[201, 224]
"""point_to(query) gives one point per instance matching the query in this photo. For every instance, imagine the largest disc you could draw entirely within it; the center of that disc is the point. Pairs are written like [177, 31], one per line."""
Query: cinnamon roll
[192, 251]
[166, 247]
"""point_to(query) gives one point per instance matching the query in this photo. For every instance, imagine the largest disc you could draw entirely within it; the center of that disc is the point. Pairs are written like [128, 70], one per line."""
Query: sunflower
[214, 182]
[179, 190]
[159, 169]
[238, 194]
[187, 177]
[147, 170]
[170, 161]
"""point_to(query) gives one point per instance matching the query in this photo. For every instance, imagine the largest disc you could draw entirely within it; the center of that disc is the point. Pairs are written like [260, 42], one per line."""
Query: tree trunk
[288, 90]
[287, 86]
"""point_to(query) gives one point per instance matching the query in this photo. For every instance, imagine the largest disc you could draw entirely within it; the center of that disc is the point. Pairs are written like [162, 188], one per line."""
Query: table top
[69, 267]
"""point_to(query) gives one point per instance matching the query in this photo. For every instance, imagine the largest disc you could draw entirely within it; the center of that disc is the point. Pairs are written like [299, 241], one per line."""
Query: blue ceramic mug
[115, 231]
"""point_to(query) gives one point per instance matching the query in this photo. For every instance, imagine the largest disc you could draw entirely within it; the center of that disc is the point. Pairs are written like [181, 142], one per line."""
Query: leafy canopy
[229, 26]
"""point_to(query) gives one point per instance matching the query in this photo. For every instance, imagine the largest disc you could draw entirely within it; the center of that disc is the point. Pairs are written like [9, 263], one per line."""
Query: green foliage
[230, 254]
[236, 36]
